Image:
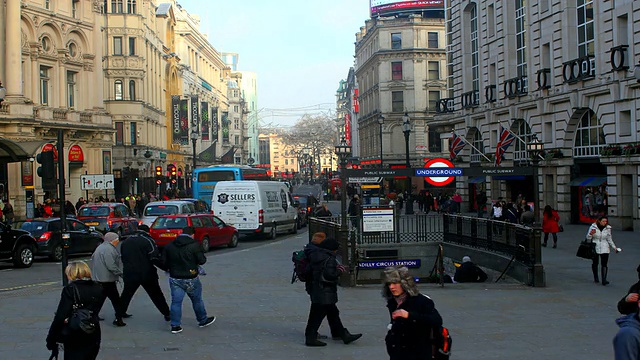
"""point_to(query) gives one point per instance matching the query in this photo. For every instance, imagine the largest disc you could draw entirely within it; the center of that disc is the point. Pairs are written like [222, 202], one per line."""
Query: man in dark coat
[469, 272]
[323, 289]
[629, 303]
[139, 256]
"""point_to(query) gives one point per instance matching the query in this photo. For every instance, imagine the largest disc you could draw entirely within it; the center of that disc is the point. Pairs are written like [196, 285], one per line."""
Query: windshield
[169, 223]
[301, 199]
[94, 211]
[157, 210]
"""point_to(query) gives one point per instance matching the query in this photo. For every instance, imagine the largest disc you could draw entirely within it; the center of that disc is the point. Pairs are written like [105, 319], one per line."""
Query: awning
[11, 151]
[509, 177]
[477, 179]
[588, 181]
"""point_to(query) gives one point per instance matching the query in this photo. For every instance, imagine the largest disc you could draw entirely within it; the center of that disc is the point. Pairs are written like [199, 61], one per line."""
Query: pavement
[260, 315]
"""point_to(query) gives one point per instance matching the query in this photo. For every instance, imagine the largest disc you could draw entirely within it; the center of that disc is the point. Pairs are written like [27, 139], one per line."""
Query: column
[96, 95]
[13, 54]
[3, 21]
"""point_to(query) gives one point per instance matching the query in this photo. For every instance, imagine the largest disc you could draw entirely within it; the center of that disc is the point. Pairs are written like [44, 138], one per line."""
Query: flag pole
[474, 148]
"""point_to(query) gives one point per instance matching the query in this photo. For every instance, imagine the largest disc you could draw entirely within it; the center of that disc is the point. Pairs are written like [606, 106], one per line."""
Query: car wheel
[23, 256]
[234, 241]
[56, 253]
[273, 233]
[205, 244]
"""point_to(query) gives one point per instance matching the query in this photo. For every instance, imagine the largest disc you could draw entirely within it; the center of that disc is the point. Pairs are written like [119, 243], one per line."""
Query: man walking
[106, 267]
[182, 258]
[626, 343]
[139, 257]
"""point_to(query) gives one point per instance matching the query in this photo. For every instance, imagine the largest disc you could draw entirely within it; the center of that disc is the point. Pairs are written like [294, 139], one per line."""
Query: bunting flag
[227, 158]
[506, 139]
[456, 144]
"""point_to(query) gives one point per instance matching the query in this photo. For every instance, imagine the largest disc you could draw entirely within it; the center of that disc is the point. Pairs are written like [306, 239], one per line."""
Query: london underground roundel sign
[433, 165]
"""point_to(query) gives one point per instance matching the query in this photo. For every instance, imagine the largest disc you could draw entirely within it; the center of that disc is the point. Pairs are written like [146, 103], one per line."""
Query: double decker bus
[204, 179]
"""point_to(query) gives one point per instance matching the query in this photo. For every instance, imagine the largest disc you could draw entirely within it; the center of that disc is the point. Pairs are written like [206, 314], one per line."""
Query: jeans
[191, 287]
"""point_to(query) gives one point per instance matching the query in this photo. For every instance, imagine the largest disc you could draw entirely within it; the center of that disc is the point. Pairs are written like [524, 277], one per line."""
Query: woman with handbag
[600, 233]
[550, 225]
[89, 295]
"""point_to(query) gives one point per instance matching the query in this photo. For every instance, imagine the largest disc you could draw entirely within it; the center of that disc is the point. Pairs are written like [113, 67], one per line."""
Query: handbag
[586, 250]
[82, 319]
[560, 228]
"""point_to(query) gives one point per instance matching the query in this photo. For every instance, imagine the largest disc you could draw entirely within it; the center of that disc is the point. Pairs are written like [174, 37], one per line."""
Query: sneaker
[176, 329]
[210, 320]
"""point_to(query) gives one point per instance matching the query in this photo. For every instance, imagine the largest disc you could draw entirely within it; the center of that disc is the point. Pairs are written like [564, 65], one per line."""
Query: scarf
[600, 226]
[400, 299]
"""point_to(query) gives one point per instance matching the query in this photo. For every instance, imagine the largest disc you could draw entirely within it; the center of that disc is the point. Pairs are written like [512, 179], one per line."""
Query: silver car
[169, 207]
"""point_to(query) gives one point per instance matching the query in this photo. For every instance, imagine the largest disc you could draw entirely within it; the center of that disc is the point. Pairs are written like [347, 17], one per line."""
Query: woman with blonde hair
[81, 290]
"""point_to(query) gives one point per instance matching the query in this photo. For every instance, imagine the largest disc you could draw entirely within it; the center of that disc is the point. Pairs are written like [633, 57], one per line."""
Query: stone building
[553, 70]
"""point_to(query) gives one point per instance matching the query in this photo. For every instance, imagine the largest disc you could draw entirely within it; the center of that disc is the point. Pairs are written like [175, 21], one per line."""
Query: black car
[46, 231]
[16, 245]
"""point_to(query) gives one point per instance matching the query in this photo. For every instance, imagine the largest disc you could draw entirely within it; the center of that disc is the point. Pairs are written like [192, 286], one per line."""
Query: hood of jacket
[183, 240]
[630, 320]
[316, 254]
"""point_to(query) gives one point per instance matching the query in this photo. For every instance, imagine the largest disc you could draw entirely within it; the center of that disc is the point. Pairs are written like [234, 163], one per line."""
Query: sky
[299, 49]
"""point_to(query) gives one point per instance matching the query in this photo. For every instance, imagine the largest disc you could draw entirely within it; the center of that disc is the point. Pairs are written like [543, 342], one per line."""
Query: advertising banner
[214, 124]
[184, 122]
[225, 126]
[195, 114]
[204, 123]
[175, 118]
[389, 7]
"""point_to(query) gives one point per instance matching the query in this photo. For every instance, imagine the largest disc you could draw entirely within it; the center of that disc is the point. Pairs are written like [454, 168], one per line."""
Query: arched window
[118, 90]
[476, 156]
[132, 90]
[589, 136]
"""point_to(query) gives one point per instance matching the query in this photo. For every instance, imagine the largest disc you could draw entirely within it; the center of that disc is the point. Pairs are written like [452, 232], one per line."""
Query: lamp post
[381, 121]
[535, 149]
[343, 150]
[406, 129]
[194, 139]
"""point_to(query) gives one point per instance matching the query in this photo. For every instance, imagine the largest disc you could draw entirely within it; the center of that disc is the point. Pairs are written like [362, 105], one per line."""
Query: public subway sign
[381, 264]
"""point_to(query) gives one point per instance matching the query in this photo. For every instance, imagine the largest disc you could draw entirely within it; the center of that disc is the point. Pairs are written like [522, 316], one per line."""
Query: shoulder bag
[587, 249]
[82, 319]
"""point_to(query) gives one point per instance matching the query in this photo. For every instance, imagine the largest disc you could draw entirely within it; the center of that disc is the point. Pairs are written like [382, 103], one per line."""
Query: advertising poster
[204, 123]
[214, 124]
[225, 126]
[175, 118]
[27, 173]
[106, 161]
[184, 122]
[195, 114]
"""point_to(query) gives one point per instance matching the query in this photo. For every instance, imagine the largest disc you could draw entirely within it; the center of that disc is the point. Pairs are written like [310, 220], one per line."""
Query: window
[236, 108]
[521, 44]
[46, 44]
[119, 133]
[132, 46]
[475, 62]
[396, 70]
[103, 7]
[236, 124]
[396, 41]
[477, 146]
[491, 20]
[131, 6]
[397, 101]
[44, 85]
[73, 50]
[286, 161]
[433, 70]
[434, 97]
[236, 139]
[520, 150]
[118, 90]
[585, 28]
[206, 221]
[432, 40]
[47, 4]
[625, 123]
[71, 89]
[117, 45]
[74, 8]
[132, 90]
[589, 136]
[117, 6]
[134, 133]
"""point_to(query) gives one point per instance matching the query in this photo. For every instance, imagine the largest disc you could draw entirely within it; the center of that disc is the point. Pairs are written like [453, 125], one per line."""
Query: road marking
[29, 286]
[6, 270]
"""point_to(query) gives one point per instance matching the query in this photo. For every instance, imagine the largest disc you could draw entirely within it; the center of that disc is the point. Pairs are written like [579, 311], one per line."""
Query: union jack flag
[506, 139]
[456, 144]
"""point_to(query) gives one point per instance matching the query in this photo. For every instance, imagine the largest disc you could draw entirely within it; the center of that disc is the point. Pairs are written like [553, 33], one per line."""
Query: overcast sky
[300, 49]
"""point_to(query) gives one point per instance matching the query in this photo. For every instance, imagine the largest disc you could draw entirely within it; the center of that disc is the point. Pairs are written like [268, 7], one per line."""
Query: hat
[110, 236]
[398, 275]
[329, 244]
[466, 259]
[143, 227]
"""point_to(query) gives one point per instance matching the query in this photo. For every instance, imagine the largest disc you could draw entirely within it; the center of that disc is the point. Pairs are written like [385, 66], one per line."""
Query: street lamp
[194, 139]
[381, 121]
[406, 129]
[535, 149]
[343, 150]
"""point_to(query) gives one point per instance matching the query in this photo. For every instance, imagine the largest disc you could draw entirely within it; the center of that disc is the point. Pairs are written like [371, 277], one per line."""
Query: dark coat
[139, 253]
[410, 338]
[92, 297]
[323, 287]
[182, 257]
[629, 307]
[469, 272]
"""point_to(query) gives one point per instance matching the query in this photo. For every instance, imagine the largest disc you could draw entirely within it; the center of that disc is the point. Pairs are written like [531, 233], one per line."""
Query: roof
[163, 9]
[169, 202]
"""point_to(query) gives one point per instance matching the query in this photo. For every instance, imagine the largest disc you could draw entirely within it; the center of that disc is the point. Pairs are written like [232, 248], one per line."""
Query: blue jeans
[191, 287]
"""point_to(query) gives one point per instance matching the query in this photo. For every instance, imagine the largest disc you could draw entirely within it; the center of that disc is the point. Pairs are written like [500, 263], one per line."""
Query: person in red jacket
[550, 225]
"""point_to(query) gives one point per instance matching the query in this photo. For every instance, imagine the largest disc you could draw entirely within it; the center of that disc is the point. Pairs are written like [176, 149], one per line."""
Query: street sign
[377, 219]
[364, 180]
[97, 182]
[442, 167]
[381, 264]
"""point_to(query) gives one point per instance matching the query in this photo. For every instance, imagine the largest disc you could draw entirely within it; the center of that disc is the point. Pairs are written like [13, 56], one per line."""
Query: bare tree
[316, 133]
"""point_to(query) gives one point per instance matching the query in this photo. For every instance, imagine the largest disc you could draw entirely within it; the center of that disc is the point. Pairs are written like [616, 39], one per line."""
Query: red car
[107, 217]
[209, 230]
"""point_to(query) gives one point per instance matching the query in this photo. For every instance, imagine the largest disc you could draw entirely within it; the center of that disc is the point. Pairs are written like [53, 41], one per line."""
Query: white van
[255, 207]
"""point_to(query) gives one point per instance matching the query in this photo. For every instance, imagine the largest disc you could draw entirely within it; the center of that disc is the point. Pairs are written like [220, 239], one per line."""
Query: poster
[175, 119]
[27, 173]
[195, 114]
[184, 122]
[225, 126]
[592, 203]
[106, 161]
[204, 123]
[214, 124]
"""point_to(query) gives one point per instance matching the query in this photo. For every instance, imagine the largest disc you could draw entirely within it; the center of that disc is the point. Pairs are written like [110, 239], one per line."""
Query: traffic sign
[439, 166]
[364, 180]
[97, 182]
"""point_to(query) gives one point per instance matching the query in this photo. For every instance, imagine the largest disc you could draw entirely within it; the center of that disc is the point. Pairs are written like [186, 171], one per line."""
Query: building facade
[554, 71]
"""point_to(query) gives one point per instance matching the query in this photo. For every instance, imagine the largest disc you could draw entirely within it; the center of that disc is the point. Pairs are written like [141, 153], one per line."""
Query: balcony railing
[470, 99]
[543, 78]
[580, 69]
[516, 87]
[445, 105]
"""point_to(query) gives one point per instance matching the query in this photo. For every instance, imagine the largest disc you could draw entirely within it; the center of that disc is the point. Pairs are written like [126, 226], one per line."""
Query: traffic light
[47, 170]
[158, 171]
[173, 171]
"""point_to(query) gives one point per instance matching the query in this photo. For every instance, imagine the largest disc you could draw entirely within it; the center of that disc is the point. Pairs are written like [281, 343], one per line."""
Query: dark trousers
[317, 313]
[596, 260]
[75, 352]
[152, 288]
[111, 291]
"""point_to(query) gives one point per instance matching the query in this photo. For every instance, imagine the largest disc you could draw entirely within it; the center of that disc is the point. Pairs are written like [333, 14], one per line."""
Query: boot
[544, 243]
[348, 338]
[555, 244]
[604, 271]
[594, 269]
[313, 341]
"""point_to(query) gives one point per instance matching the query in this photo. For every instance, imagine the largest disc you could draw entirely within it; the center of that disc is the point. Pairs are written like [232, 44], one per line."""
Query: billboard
[389, 7]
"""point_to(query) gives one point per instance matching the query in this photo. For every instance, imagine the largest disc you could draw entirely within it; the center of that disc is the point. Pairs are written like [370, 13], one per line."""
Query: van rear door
[237, 204]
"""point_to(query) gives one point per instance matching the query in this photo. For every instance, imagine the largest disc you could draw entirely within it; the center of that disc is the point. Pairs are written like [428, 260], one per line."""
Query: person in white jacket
[600, 233]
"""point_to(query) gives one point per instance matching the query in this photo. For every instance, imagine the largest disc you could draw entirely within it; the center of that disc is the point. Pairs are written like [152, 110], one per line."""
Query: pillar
[13, 53]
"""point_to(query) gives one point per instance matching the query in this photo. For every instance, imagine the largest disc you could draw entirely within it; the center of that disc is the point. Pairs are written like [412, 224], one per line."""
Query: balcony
[516, 87]
[445, 105]
[470, 99]
[619, 58]
[543, 78]
[580, 69]
[490, 93]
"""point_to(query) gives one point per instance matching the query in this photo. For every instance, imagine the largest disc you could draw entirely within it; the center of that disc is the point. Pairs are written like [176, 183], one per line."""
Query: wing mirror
[92, 228]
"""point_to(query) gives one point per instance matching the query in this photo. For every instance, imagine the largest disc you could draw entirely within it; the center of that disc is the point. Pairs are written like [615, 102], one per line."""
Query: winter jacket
[469, 272]
[626, 343]
[182, 257]
[602, 238]
[550, 223]
[106, 265]
[323, 287]
[625, 307]
[139, 255]
[409, 338]
[92, 297]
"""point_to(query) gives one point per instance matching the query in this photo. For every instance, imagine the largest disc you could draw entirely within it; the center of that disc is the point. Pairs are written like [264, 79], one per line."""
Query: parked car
[107, 217]
[17, 245]
[170, 207]
[83, 239]
[209, 230]
[303, 218]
